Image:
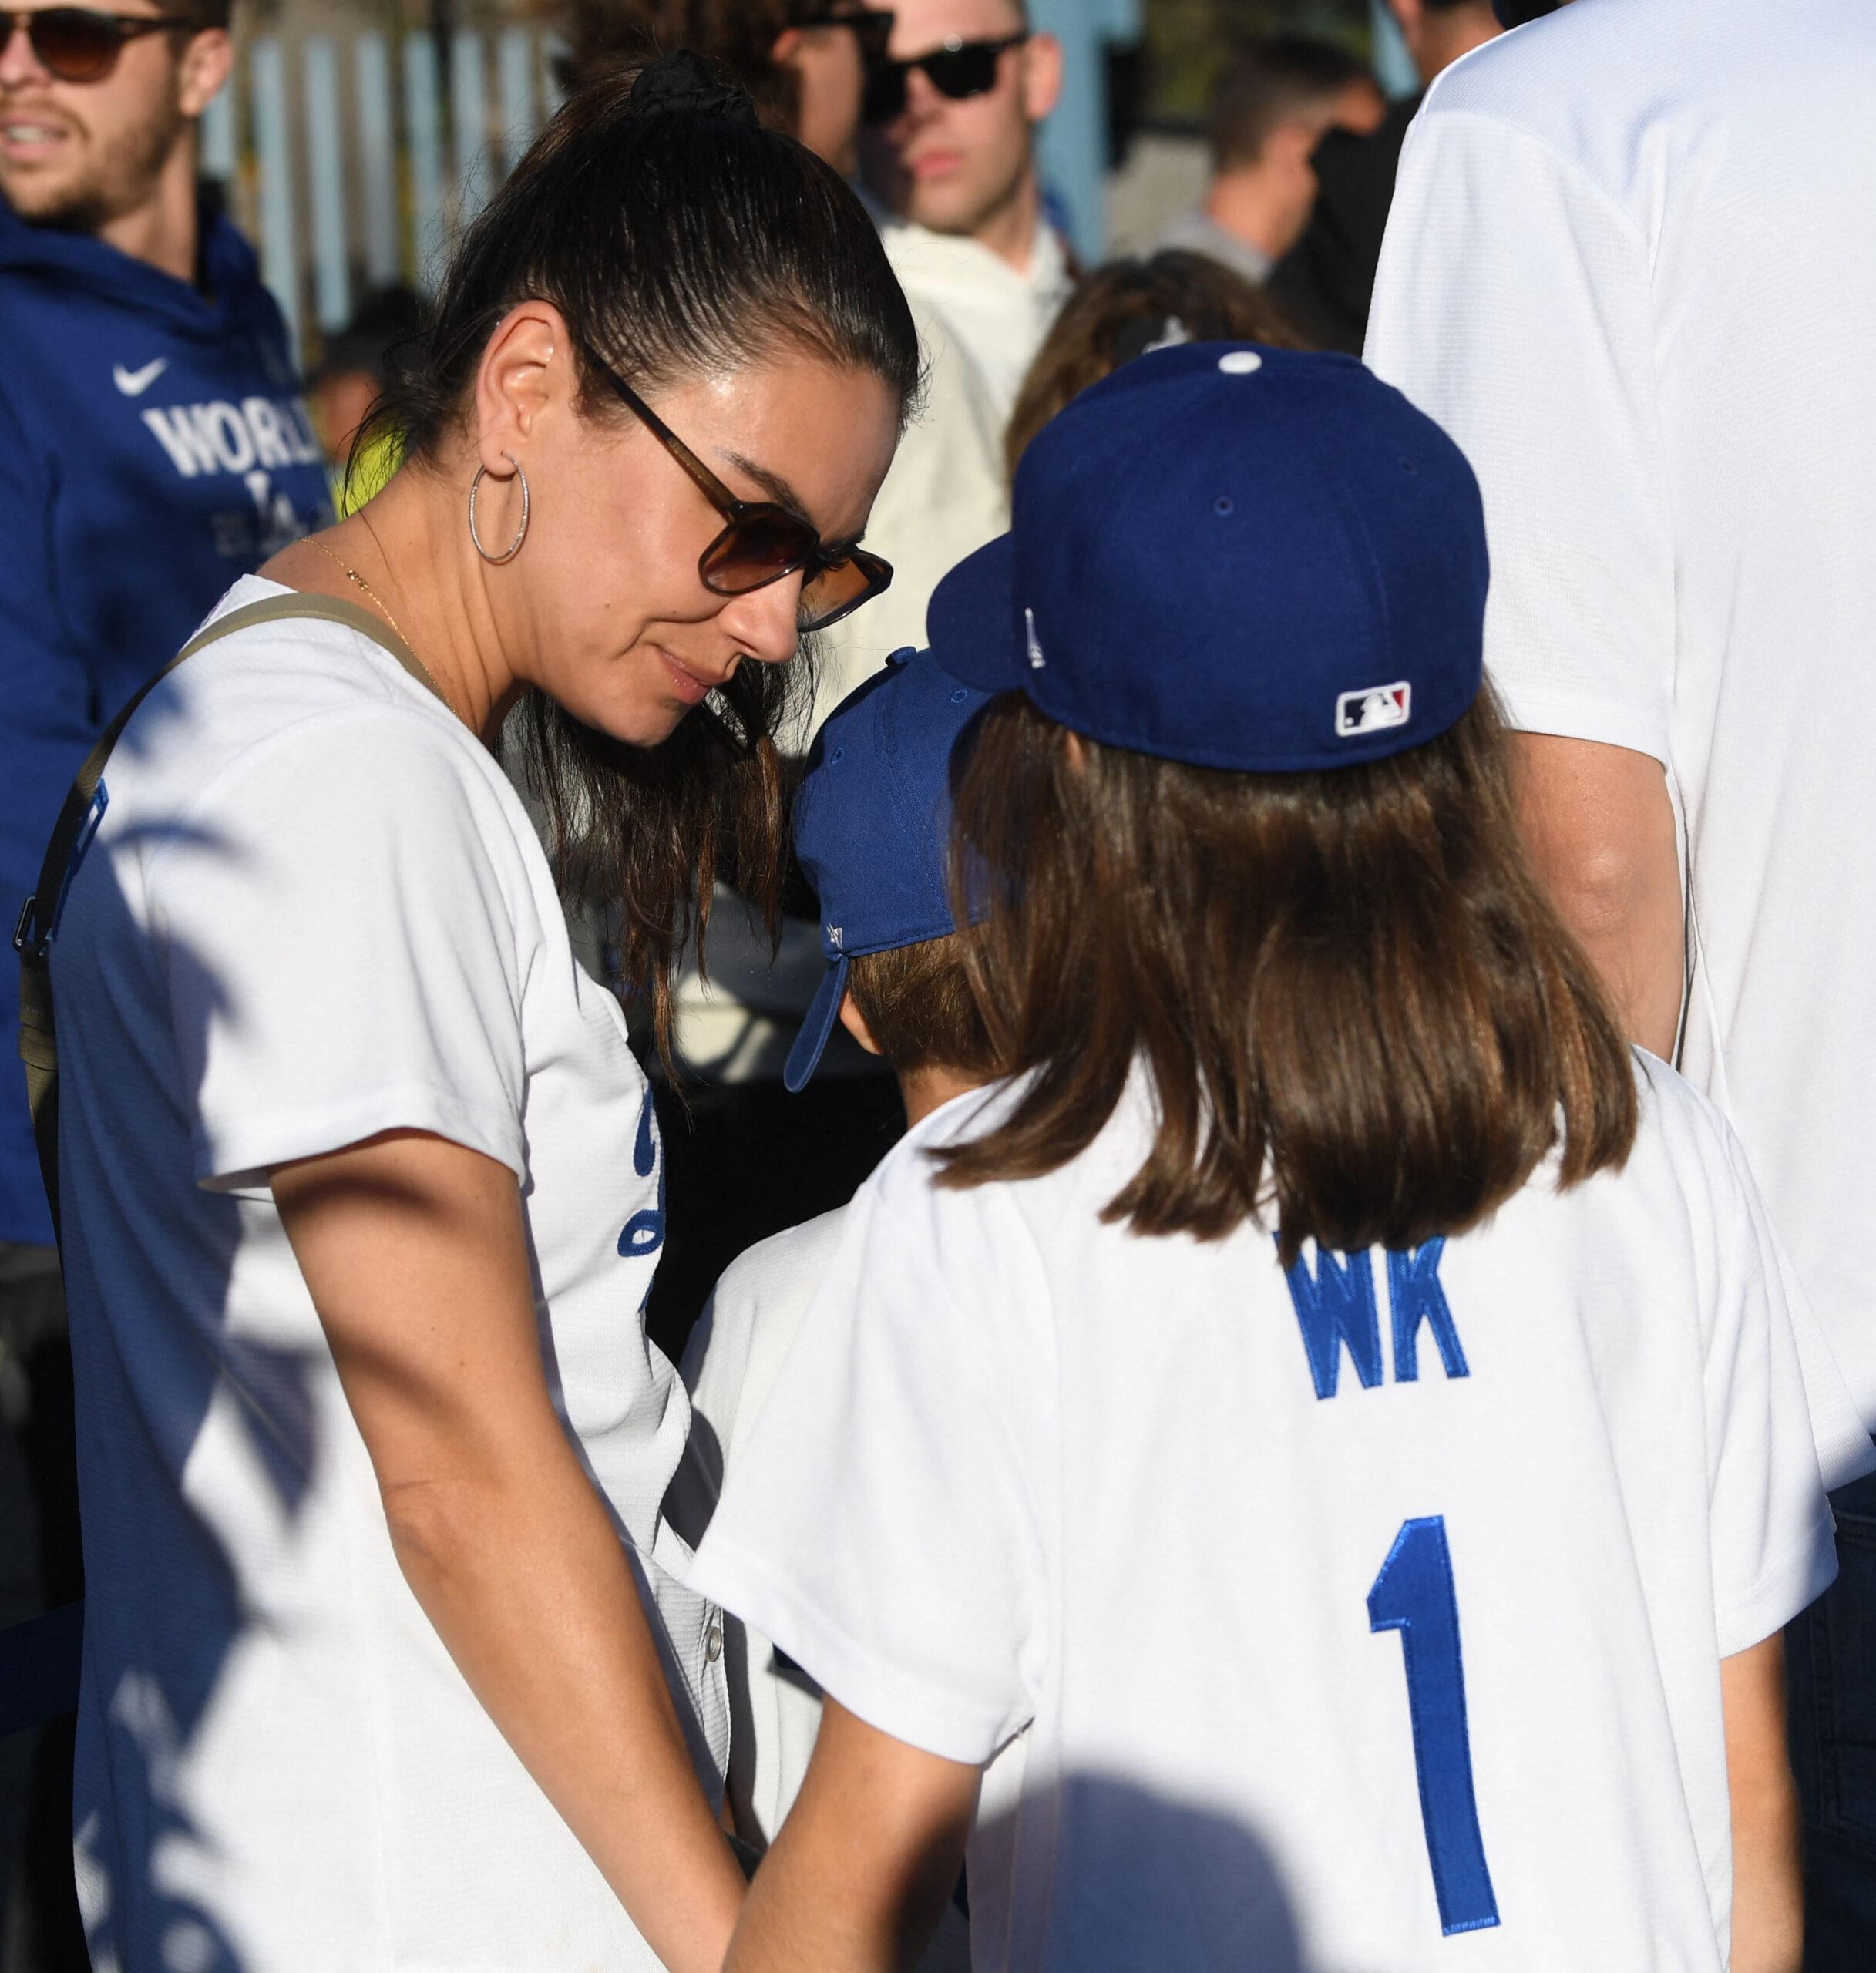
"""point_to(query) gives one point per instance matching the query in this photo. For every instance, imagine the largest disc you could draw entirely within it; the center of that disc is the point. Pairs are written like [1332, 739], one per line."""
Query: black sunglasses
[871, 27]
[76, 45]
[959, 70]
[762, 541]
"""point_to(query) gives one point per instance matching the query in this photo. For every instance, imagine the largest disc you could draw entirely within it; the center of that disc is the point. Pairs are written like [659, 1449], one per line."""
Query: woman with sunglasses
[388, 1660]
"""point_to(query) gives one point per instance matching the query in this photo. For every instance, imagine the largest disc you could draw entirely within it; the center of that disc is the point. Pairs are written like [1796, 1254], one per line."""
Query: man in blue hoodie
[153, 447]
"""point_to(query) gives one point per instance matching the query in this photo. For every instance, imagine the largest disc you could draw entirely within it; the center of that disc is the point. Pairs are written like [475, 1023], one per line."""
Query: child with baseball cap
[1335, 1407]
[872, 820]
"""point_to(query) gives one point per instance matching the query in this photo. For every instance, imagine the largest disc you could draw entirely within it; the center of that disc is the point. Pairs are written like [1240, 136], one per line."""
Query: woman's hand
[414, 1252]
[859, 1876]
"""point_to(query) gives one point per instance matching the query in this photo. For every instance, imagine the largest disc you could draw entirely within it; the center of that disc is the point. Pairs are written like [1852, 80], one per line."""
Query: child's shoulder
[777, 1267]
[737, 1348]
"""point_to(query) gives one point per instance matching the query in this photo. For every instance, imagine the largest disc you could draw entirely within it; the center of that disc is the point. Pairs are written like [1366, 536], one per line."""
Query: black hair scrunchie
[683, 82]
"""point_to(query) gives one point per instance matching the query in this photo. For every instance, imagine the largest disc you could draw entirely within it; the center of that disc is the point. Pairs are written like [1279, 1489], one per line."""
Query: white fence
[352, 165]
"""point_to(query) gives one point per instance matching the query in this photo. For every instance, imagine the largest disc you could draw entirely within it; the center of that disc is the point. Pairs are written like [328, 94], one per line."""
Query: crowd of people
[877, 1032]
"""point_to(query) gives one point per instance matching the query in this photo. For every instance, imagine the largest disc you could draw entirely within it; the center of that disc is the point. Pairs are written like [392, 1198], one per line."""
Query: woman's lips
[691, 688]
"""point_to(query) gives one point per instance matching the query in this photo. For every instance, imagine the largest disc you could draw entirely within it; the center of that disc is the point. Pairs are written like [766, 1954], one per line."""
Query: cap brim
[823, 1011]
[971, 621]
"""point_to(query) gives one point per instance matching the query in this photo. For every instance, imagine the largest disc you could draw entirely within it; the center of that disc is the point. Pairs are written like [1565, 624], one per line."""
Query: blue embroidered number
[1414, 1595]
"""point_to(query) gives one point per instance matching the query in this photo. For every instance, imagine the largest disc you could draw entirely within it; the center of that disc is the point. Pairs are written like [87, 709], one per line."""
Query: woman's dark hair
[1359, 1014]
[676, 236]
[1120, 312]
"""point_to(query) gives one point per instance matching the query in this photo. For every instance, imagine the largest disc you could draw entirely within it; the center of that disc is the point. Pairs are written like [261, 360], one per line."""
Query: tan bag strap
[32, 935]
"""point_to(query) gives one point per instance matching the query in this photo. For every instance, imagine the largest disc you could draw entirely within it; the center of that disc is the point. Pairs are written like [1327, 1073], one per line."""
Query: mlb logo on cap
[1260, 560]
[1367, 712]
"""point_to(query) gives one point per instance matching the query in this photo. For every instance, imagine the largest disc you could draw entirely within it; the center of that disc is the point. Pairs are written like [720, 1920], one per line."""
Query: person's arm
[1768, 1902]
[415, 1253]
[857, 1878]
[1600, 827]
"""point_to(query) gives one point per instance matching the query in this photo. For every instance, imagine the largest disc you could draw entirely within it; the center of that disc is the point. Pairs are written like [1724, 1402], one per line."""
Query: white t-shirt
[1629, 268]
[999, 313]
[313, 910]
[1168, 1509]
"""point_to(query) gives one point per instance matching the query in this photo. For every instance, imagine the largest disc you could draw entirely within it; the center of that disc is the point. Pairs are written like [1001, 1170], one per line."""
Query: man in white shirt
[950, 152]
[1627, 269]
[1273, 109]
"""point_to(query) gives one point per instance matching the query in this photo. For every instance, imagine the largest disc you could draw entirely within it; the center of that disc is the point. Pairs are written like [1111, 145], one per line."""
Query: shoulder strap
[38, 1046]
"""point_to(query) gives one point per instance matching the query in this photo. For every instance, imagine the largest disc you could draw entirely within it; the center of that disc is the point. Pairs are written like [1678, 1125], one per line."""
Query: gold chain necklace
[351, 575]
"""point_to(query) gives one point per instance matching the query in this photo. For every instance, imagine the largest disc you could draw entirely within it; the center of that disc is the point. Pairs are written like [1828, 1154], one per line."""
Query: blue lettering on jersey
[1415, 1294]
[644, 1231]
[1336, 1305]
[1333, 1306]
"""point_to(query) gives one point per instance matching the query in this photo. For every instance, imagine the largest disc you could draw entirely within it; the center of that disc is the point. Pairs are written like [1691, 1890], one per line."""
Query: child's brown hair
[918, 1006]
[1130, 302]
[1359, 1010]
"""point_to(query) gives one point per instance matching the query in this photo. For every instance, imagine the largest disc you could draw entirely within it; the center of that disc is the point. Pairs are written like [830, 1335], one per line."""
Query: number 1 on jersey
[1414, 1595]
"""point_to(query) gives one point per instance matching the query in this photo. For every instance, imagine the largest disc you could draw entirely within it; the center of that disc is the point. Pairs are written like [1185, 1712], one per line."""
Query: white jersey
[730, 1366]
[1629, 268]
[1343, 1610]
[313, 909]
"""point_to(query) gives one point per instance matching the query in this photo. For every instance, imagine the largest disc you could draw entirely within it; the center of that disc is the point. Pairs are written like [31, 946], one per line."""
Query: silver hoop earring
[521, 533]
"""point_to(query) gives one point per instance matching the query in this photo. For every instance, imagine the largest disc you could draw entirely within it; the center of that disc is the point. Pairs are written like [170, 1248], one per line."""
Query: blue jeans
[1830, 1676]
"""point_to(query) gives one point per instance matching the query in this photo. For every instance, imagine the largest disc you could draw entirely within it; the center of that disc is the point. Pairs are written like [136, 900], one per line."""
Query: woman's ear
[527, 373]
[854, 1023]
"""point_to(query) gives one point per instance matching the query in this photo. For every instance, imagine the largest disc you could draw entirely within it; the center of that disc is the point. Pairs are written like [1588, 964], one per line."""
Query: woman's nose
[766, 622]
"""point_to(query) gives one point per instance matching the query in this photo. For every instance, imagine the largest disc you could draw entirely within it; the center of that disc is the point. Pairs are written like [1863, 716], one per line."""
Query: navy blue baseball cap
[873, 822]
[1254, 559]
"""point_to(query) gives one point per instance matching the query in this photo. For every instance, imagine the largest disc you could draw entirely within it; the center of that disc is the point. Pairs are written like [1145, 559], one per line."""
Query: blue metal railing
[308, 135]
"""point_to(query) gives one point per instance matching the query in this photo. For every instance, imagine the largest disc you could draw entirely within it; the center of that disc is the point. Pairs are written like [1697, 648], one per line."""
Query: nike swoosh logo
[134, 383]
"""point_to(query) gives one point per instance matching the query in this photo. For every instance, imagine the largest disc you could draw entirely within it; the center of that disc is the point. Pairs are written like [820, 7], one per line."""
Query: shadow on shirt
[1157, 1883]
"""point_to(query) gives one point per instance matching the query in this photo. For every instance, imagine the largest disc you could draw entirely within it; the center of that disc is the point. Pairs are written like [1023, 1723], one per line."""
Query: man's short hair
[918, 1006]
[202, 15]
[1271, 83]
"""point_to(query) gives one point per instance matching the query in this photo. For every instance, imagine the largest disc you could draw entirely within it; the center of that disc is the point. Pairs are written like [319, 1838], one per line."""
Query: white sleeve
[340, 948]
[1512, 306]
[1774, 1543]
[883, 1526]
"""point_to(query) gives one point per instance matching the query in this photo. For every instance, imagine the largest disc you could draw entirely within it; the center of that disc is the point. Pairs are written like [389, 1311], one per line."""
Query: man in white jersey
[1627, 270]
[871, 821]
[1341, 1608]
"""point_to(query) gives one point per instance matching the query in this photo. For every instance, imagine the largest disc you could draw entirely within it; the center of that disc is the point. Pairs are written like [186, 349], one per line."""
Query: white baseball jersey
[1365, 1617]
[730, 1367]
[1630, 268]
